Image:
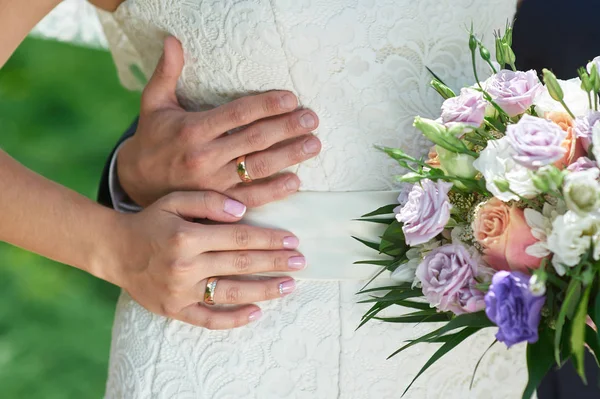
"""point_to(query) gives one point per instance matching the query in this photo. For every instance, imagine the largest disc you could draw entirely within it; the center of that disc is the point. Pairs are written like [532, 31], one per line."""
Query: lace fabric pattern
[360, 65]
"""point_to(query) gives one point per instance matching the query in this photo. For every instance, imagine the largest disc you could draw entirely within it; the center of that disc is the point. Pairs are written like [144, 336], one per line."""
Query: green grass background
[61, 111]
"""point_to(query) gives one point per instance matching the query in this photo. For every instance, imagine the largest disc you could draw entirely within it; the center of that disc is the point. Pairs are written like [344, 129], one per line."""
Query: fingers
[238, 292]
[232, 263]
[265, 133]
[219, 319]
[160, 90]
[247, 110]
[203, 205]
[266, 190]
[242, 237]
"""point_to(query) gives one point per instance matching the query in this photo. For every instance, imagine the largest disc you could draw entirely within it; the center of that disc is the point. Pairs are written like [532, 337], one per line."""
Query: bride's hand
[175, 150]
[165, 260]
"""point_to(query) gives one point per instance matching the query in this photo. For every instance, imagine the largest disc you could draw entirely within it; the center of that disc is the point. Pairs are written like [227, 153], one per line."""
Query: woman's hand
[164, 260]
[175, 150]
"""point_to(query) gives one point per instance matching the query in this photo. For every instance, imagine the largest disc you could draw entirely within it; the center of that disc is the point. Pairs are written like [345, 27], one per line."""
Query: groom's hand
[175, 150]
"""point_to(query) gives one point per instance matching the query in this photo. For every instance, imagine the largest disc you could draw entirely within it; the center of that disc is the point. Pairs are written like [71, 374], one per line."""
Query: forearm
[53, 221]
[17, 18]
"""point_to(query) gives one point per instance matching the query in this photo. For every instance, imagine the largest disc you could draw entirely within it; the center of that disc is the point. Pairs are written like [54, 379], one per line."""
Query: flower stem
[567, 108]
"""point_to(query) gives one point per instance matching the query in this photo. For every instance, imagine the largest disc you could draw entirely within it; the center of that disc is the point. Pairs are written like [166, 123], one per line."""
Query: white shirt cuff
[120, 201]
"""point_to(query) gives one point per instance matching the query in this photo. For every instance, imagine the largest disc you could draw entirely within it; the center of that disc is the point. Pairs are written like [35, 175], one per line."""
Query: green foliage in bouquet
[521, 155]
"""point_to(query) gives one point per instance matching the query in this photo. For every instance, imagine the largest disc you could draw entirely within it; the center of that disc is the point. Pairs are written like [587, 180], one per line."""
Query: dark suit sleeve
[104, 197]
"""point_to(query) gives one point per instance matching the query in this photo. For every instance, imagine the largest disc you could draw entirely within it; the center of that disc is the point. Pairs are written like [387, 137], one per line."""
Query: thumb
[160, 90]
[204, 205]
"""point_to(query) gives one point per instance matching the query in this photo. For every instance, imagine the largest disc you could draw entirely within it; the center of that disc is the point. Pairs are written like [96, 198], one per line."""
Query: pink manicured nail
[290, 243]
[234, 208]
[257, 314]
[297, 263]
[287, 287]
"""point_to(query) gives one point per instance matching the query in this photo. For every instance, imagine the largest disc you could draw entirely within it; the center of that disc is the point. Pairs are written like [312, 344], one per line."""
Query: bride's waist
[325, 223]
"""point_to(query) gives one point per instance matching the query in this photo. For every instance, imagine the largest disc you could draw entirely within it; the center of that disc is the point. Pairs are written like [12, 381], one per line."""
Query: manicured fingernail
[312, 145]
[234, 208]
[257, 314]
[290, 243]
[287, 287]
[307, 121]
[297, 262]
[291, 185]
[287, 101]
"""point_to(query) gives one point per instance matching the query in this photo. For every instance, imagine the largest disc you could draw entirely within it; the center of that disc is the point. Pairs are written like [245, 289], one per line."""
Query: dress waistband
[324, 222]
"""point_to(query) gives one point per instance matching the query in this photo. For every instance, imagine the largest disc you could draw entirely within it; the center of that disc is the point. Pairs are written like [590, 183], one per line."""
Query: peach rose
[571, 144]
[433, 159]
[504, 235]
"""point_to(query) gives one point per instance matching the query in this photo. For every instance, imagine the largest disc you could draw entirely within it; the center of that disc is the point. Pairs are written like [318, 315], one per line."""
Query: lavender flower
[447, 275]
[514, 92]
[537, 142]
[513, 308]
[581, 164]
[583, 125]
[468, 108]
[426, 213]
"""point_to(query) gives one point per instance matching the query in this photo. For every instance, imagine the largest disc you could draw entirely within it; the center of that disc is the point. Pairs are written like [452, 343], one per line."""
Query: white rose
[575, 98]
[572, 235]
[582, 191]
[496, 162]
[541, 229]
[596, 141]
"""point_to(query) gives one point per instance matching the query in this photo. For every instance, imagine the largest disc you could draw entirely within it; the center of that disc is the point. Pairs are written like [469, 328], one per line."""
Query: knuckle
[186, 132]
[195, 160]
[271, 104]
[255, 138]
[241, 236]
[242, 262]
[240, 114]
[291, 125]
[277, 263]
[260, 167]
[269, 292]
[274, 241]
[295, 154]
[252, 200]
[179, 241]
[233, 294]
[168, 309]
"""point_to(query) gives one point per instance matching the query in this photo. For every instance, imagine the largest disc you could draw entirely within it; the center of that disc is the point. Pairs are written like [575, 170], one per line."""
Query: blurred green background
[61, 111]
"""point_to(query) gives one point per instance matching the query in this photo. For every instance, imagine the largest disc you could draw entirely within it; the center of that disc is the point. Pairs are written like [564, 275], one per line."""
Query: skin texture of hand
[175, 150]
[165, 260]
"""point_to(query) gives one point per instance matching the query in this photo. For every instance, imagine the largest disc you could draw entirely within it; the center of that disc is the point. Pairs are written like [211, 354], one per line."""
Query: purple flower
[514, 92]
[447, 275]
[513, 308]
[468, 108]
[536, 141]
[582, 164]
[426, 213]
[583, 125]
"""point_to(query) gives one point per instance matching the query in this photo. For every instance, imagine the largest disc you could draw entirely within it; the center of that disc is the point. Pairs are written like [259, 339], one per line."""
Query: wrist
[125, 173]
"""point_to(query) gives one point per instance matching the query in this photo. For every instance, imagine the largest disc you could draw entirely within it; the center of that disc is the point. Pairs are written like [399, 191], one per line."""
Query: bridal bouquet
[500, 226]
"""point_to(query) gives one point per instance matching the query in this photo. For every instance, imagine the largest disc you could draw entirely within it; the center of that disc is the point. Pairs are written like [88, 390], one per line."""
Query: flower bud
[500, 53]
[540, 183]
[549, 177]
[439, 134]
[455, 164]
[502, 185]
[537, 284]
[595, 78]
[508, 34]
[586, 82]
[472, 42]
[553, 86]
[485, 53]
[442, 89]
[509, 54]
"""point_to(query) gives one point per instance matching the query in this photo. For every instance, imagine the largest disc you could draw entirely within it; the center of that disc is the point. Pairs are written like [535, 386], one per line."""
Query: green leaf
[392, 249]
[562, 315]
[593, 342]
[371, 245]
[447, 347]
[401, 286]
[595, 315]
[384, 210]
[479, 362]
[375, 309]
[478, 319]
[435, 76]
[395, 296]
[417, 317]
[383, 263]
[539, 361]
[415, 305]
[377, 220]
[578, 333]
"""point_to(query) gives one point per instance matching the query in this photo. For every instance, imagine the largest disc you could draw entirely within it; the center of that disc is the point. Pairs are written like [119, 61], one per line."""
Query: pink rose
[572, 145]
[504, 235]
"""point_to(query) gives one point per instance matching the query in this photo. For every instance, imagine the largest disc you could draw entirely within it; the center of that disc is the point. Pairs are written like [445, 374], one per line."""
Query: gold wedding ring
[242, 171]
[209, 291]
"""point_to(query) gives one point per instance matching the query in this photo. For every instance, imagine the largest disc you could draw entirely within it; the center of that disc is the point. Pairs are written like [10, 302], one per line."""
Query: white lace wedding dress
[360, 64]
